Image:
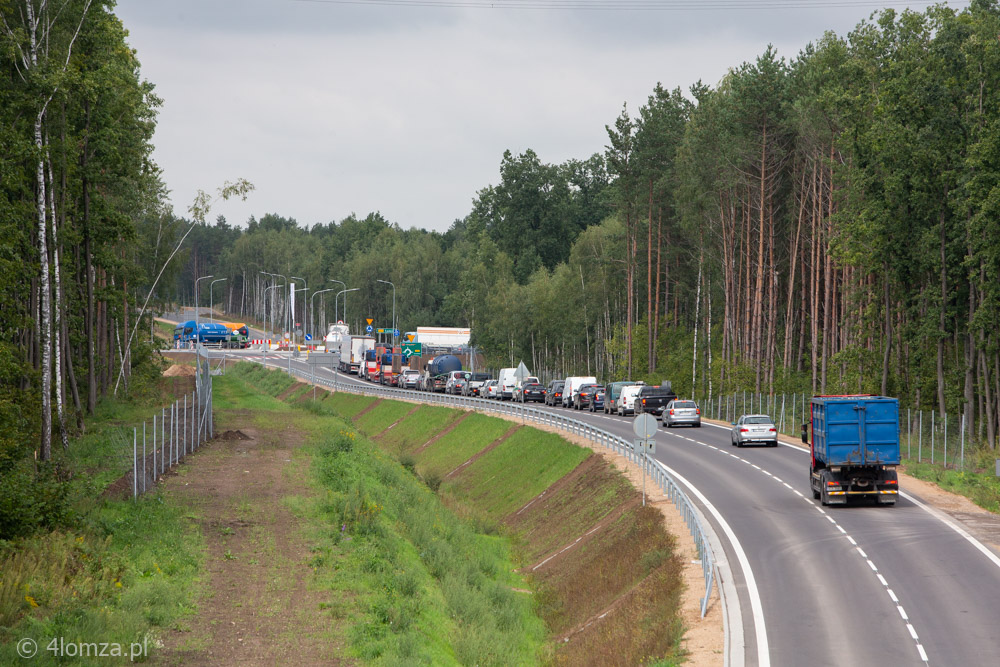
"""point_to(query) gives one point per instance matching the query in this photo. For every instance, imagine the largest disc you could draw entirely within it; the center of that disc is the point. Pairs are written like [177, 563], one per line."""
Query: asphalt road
[856, 585]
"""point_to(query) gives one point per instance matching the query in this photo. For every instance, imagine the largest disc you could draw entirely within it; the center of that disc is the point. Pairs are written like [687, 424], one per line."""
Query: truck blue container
[855, 448]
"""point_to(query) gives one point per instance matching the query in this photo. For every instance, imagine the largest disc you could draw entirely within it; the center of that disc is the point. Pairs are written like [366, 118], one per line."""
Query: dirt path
[257, 607]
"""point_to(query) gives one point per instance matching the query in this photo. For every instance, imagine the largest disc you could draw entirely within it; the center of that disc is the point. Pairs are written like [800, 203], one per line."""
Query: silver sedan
[754, 429]
[680, 411]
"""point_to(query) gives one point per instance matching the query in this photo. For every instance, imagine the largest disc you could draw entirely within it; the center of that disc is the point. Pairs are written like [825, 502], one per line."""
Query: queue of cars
[622, 398]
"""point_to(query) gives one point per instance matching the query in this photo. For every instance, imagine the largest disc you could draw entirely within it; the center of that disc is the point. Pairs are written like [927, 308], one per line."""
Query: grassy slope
[418, 428]
[456, 447]
[627, 563]
[382, 416]
[516, 471]
[414, 582]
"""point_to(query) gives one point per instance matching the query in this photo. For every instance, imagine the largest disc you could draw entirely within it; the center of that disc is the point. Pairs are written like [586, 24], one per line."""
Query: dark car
[476, 383]
[653, 399]
[553, 394]
[597, 402]
[532, 391]
[586, 396]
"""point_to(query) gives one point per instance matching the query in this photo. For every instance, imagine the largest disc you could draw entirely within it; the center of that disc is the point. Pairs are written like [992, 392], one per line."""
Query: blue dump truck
[855, 448]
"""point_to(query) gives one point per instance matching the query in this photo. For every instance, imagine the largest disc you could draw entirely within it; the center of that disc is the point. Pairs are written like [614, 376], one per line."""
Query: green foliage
[126, 568]
[434, 589]
[33, 497]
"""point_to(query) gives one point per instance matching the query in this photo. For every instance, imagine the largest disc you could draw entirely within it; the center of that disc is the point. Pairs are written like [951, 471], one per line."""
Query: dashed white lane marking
[882, 580]
[763, 654]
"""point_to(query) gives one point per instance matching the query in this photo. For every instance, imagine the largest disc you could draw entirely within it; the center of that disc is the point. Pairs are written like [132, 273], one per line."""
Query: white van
[626, 401]
[572, 387]
[506, 383]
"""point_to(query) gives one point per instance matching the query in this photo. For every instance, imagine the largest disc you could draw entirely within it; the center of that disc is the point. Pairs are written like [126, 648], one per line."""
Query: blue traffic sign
[309, 337]
[368, 329]
[395, 332]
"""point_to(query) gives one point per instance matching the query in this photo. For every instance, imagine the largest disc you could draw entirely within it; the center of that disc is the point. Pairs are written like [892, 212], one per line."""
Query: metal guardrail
[618, 444]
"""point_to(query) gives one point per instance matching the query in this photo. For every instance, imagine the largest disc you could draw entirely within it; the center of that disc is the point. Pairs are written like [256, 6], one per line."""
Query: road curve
[858, 585]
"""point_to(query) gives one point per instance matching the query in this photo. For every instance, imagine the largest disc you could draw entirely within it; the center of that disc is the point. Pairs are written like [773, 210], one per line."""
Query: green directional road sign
[411, 349]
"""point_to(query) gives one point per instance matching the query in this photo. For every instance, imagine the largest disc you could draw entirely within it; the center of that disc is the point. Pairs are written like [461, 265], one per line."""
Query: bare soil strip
[258, 608]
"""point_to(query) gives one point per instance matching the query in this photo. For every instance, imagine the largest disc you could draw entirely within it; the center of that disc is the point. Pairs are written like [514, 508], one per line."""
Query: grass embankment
[979, 483]
[435, 546]
[116, 571]
[413, 581]
[602, 569]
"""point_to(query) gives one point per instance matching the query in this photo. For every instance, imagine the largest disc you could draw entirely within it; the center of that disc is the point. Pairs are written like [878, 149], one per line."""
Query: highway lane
[904, 586]
[855, 585]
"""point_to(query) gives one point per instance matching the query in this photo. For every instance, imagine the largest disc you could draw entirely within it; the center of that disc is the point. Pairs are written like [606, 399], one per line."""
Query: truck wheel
[822, 488]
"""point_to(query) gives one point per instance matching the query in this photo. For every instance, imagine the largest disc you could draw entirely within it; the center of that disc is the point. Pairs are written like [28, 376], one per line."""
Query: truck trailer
[443, 337]
[352, 352]
[854, 448]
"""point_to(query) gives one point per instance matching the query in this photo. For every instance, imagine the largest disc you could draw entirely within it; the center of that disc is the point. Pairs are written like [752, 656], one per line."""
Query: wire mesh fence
[176, 431]
[924, 435]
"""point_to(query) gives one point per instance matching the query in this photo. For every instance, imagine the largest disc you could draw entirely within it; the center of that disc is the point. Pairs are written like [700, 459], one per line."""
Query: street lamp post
[211, 315]
[336, 296]
[387, 282]
[198, 280]
[297, 289]
[279, 275]
[344, 292]
[274, 286]
[312, 302]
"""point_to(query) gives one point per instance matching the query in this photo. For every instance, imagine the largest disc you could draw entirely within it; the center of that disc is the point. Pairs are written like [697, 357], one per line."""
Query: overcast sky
[331, 108]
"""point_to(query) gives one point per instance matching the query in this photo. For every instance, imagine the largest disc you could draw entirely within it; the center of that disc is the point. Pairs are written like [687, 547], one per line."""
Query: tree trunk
[57, 346]
[697, 304]
[649, 284]
[887, 336]
[941, 317]
[90, 315]
[45, 341]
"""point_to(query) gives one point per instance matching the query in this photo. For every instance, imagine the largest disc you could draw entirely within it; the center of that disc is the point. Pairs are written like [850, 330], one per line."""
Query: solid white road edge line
[732, 617]
[760, 630]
